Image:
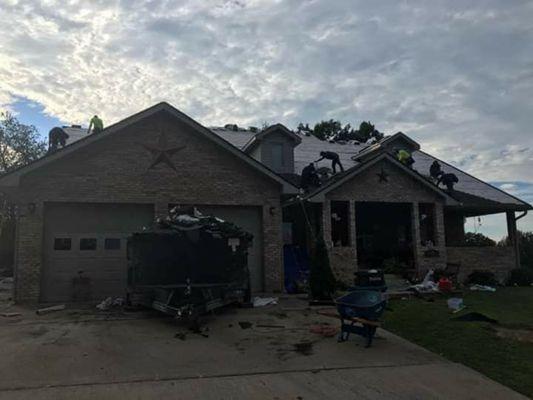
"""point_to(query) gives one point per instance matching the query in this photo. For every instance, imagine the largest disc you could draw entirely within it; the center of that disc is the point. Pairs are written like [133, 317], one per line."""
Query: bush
[321, 279]
[520, 277]
[482, 277]
[477, 240]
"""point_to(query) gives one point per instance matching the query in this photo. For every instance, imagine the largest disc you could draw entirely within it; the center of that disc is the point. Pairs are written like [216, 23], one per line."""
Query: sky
[457, 76]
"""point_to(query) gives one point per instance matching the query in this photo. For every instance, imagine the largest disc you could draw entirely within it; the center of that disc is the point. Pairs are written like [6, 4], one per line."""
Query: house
[77, 206]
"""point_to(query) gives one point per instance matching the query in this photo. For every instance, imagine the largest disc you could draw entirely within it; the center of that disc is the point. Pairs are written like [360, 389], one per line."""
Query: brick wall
[400, 188]
[499, 260]
[115, 170]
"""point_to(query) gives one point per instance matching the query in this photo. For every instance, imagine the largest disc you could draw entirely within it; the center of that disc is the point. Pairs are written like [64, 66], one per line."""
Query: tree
[321, 278]
[19, 143]
[525, 244]
[478, 240]
[333, 130]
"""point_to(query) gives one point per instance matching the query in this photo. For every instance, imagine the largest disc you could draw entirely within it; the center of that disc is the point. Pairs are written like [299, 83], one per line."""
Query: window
[112, 244]
[62, 244]
[426, 213]
[340, 223]
[277, 155]
[88, 244]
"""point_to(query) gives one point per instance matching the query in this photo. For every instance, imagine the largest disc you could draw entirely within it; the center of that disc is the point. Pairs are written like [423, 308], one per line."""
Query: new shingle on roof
[309, 150]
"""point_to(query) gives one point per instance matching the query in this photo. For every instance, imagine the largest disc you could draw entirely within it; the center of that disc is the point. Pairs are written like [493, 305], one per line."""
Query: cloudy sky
[455, 75]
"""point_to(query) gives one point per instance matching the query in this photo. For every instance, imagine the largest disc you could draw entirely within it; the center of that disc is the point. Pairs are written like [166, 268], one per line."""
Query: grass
[474, 344]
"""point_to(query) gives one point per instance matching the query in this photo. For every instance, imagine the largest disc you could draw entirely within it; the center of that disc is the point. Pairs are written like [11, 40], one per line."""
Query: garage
[249, 219]
[85, 249]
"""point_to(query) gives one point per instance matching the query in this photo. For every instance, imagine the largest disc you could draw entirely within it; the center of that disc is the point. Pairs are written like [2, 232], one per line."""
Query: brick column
[326, 223]
[272, 247]
[415, 233]
[353, 234]
[513, 236]
[28, 253]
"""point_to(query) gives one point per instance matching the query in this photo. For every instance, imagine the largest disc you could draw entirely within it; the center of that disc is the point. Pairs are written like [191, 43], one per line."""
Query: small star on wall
[383, 176]
[161, 153]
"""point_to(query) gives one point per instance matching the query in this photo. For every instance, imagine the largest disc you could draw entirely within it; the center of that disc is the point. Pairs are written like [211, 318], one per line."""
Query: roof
[340, 179]
[256, 139]
[75, 133]
[310, 148]
[12, 178]
[384, 142]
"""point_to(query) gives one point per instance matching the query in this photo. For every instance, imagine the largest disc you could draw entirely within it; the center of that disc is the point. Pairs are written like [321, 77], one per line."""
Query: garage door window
[88, 244]
[62, 244]
[112, 244]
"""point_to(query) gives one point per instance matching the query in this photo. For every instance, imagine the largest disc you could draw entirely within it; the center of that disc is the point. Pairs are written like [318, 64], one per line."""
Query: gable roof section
[256, 139]
[12, 178]
[383, 144]
[318, 195]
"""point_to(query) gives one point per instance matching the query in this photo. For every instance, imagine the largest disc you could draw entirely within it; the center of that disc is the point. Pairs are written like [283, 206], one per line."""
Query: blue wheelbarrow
[360, 307]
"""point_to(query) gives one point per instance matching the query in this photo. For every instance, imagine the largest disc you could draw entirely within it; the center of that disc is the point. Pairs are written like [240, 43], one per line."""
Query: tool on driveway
[362, 307]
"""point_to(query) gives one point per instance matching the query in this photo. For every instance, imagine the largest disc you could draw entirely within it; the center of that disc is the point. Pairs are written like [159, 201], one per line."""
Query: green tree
[19, 143]
[321, 278]
[333, 130]
[525, 244]
[478, 240]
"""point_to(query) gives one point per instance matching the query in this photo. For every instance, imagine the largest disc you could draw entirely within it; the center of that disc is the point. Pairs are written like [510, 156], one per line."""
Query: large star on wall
[162, 153]
[383, 176]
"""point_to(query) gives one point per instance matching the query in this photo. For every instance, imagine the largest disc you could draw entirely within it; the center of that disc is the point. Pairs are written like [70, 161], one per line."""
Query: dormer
[389, 144]
[274, 147]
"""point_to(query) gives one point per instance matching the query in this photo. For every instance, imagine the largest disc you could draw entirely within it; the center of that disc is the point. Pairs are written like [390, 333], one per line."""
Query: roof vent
[75, 126]
[232, 127]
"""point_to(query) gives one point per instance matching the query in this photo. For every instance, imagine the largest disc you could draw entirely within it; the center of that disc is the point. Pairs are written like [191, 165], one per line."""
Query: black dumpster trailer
[189, 265]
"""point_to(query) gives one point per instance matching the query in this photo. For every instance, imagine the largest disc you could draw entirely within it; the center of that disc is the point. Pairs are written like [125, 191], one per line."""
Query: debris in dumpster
[184, 266]
[264, 301]
[476, 317]
[47, 310]
[245, 324]
[483, 288]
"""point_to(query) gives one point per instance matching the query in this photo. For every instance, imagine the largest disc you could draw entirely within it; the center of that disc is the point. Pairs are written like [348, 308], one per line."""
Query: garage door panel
[103, 268]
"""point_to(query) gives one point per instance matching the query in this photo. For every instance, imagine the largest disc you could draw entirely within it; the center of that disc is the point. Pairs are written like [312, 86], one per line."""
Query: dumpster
[189, 264]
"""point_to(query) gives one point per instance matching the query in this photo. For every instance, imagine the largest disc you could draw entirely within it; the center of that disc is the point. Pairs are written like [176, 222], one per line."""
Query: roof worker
[405, 157]
[310, 179]
[435, 171]
[57, 137]
[334, 157]
[97, 124]
[448, 180]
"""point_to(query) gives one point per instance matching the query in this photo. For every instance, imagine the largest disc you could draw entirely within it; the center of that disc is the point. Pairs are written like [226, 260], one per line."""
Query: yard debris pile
[109, 302]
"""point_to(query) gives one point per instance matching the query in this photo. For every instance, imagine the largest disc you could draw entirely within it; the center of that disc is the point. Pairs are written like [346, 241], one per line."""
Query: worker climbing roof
[96, 124]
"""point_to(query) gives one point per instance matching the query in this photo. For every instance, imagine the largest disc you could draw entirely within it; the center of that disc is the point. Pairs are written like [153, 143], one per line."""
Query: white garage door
[85, 249]
[249, 219]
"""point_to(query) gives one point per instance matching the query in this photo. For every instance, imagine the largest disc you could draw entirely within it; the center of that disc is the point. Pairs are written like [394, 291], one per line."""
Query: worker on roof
[57, 137]
[310, 179]
[334, 157]
[405, 157]
[448, 180]
[435, 171]
[97, 124]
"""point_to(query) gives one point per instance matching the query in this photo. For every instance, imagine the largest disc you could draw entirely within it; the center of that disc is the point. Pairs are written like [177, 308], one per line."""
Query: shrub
[520, 277]
[321, 278]
[482, 277]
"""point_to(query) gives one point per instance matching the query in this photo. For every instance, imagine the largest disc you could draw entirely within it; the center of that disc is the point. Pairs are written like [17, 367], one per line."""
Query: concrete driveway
[85, 355]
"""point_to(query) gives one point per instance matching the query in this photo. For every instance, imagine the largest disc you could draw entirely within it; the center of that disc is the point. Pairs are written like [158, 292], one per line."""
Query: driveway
[86, 355]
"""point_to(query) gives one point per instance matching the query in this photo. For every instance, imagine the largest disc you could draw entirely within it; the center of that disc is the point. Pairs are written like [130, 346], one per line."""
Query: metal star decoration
[383, 176]
[161, 153]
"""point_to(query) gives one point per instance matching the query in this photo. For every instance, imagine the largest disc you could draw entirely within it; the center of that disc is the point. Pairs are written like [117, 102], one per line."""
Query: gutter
[521, 216]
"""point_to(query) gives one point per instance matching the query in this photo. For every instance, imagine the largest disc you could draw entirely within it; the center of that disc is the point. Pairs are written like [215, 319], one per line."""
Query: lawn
[475, 344]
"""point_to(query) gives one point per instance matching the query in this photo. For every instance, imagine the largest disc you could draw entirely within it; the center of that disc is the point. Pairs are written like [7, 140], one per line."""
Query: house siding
[115, 170]
[498, 259]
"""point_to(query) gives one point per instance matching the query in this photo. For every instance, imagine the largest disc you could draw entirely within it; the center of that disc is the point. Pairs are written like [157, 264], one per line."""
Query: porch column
[326, 223]
[415, 233]
[353, 232]
[513, 236]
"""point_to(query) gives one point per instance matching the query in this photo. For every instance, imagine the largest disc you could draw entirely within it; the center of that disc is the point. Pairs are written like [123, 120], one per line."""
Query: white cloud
[455, 76]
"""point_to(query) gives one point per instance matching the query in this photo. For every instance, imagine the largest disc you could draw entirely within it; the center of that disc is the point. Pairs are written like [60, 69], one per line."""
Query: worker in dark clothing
[435, 170]
[96, 124]
[448, 180]
[334, 157]
[310, 177]
[57, 137]
[405, 157]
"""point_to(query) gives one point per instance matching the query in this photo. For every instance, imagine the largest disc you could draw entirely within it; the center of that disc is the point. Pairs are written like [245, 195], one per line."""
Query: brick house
[76, 206]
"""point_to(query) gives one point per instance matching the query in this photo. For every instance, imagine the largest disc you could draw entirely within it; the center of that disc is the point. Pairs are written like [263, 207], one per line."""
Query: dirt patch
[522, 335]
[304, 348]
